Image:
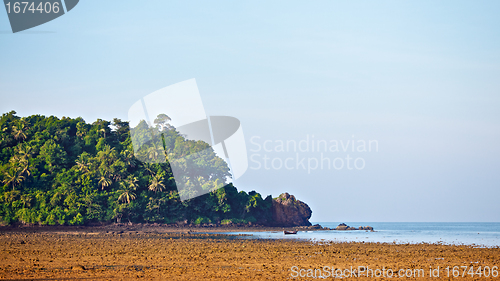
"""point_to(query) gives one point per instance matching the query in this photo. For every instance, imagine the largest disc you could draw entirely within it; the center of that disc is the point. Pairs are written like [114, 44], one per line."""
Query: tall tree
[127, 191]
[19, 130]
[162, 122]
[157, 183]
[13, 178]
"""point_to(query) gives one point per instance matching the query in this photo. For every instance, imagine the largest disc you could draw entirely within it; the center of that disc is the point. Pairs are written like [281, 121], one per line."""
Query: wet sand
[183, 254]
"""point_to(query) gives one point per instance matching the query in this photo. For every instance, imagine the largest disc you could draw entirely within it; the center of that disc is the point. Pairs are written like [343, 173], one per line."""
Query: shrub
[201, 220]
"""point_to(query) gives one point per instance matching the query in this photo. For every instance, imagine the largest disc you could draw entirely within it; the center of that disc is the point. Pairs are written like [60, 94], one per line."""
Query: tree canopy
[68, 172]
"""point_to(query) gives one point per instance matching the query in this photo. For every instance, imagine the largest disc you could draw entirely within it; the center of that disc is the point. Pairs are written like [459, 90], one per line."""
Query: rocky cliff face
[287, 211]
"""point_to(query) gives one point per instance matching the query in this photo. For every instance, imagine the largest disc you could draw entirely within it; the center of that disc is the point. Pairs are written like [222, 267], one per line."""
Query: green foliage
[201, 220]
[68, 172]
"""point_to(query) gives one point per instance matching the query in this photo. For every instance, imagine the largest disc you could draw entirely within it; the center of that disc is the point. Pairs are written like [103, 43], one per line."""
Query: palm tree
[80, 129]
[127, 190]
[106, 157]
[3, 129]
[104, 181]
[148, 167]
[19, 131]
[24, 150]
[153, 153]
[129, 158]
[22, 159]
[132, 181]
[104, 131]
[156, 184]
[25, 168]
[82, 166]
[126, 195]
[13, 178]
[107, 153]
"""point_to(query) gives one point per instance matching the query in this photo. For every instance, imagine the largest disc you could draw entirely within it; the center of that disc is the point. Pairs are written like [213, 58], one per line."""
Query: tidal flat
[186, 254]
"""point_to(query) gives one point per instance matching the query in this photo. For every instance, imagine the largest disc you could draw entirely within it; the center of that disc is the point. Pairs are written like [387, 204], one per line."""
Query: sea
[479, 234]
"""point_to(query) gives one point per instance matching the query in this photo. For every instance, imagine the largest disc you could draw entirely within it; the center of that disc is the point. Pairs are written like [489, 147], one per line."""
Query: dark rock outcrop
[344, 226]
[288, 211]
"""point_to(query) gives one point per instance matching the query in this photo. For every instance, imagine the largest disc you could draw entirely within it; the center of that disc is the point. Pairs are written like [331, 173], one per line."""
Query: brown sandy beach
[102, 253]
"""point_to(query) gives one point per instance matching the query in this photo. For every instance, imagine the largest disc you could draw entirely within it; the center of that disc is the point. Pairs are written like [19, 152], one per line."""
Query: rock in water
[287, 211]
[344, 226]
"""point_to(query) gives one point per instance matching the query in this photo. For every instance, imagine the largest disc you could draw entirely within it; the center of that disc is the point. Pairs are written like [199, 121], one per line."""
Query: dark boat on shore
[289, 232]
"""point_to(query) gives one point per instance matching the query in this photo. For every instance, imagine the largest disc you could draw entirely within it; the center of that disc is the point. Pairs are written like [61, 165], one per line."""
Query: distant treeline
[68, 172]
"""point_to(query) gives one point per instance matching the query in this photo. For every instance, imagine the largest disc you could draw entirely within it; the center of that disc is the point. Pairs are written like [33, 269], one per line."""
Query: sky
[418, 78]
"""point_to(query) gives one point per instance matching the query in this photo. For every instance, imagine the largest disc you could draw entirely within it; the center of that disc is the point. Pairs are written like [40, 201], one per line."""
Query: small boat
[289, 232]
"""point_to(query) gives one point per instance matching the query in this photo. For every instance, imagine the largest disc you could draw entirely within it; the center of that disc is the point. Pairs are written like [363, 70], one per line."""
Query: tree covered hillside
[68, 172]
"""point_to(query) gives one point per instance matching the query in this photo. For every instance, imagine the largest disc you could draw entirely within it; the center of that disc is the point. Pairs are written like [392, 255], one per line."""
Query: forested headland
[68, 172]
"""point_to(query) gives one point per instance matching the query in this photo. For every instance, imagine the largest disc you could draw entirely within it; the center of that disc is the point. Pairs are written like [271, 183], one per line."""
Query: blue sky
[420, 77]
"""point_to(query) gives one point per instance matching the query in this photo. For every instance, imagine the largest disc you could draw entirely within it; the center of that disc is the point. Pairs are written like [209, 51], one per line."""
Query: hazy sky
[421, 78]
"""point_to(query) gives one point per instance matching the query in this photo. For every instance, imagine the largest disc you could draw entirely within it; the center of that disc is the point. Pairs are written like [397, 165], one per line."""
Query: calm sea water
[480, 234]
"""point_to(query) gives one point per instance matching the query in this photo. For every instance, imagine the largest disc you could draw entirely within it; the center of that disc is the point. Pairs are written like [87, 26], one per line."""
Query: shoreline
[156, 228]
[206, 231]
[160, 255]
